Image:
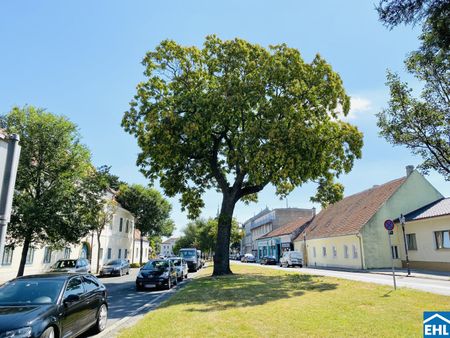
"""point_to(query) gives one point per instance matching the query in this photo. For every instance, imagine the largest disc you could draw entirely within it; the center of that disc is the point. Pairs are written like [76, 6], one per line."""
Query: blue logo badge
[436, 324]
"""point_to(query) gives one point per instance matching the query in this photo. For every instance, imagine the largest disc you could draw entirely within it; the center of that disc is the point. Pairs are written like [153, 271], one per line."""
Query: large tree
[49, 204]
[235, 117]
[150, 209]
[422, 124]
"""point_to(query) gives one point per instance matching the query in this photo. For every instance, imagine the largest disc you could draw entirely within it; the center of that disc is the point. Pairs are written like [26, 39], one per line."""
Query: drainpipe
[361, 250]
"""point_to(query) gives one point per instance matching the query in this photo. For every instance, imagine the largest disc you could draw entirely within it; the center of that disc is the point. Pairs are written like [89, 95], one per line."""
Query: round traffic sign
[389, 225]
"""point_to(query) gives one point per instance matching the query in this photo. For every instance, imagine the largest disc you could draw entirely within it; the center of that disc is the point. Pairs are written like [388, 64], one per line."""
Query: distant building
[267, 221]
[281, 239]
[350, 233]
[146, 249]
[167, 246]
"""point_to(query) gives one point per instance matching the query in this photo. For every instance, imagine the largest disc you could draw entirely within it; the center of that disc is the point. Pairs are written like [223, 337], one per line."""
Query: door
[74, 316]
[92, 298]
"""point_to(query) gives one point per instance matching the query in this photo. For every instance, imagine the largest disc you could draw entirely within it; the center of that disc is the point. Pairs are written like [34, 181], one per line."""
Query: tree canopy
[150, 209]
[421, 123]
[50, 202]
[235, 117]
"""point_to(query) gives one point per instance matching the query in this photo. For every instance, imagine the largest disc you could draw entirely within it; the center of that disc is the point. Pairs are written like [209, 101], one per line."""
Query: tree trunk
[23, 258]
[222, 253]
[99, 233]
[142, 250]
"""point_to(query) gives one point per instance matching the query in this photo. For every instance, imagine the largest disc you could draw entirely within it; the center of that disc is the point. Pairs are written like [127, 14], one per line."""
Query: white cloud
[358, 104]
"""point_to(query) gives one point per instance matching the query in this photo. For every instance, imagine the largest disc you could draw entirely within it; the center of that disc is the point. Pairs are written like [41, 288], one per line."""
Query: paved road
[126, 305]
[441, 287]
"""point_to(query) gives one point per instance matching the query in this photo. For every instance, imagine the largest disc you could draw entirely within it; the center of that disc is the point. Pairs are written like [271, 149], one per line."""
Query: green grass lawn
[259, 302]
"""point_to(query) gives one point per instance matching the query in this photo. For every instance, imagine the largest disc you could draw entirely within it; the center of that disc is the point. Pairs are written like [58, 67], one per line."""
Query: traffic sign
[389, 225]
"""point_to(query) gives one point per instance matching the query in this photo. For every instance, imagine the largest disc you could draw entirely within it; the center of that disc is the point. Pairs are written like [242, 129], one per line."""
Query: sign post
[9, 161]
[389, 226]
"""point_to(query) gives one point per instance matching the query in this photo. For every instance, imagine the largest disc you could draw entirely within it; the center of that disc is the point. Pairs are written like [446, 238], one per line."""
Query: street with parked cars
[67, 303]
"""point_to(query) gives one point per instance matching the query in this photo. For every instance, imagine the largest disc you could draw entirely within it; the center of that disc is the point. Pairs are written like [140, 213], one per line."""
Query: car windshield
[114, 262]
[156, 265]
[176, 262]
[69, 263]
[295, 254]
[187, 253]
[35, 291]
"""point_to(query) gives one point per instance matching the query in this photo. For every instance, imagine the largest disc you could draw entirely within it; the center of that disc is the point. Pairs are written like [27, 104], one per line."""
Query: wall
[427, 256]
[340, 261]
[414, 193]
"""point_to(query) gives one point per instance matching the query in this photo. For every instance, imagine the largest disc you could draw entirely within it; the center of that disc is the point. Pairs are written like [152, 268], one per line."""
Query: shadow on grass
[241, 290]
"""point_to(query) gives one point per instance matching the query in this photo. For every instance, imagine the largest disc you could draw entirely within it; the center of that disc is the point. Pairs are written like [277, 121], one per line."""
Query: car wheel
[128, 271]
[102, 318]
[48, 333]
[281, 265]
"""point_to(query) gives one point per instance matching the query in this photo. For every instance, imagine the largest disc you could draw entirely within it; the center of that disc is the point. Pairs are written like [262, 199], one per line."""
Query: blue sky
[82, 59]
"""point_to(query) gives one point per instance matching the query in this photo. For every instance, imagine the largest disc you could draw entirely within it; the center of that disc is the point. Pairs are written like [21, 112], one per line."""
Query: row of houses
[119, 239]
[351, 233]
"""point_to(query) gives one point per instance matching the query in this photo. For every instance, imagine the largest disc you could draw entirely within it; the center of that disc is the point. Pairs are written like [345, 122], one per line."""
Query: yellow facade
[339, 251]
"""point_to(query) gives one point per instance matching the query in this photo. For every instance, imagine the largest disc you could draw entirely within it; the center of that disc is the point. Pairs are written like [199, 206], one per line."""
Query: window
[30, 256]
[314, 251]
[127, 226]
[89, 283]
[442, 239]
[47, 255]
[394, 250]
[74, 287]
[109, 253]
[345, 251]
[324, 251]
[334, 252]
[120, 253]
[67, 253]
[125, 255]
[411, 241]
[7, 255]
[121, 224]
[355, 251]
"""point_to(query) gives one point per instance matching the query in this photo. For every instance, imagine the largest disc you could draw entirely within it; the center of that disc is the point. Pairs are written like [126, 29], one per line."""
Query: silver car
[181, 267]
[71, 265]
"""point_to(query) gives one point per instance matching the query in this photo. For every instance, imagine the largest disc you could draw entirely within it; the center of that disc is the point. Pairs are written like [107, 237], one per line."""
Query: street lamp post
[402, 222]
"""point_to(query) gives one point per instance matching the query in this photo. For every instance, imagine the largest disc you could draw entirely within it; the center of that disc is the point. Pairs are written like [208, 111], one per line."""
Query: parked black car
[52, 305]
[268, 260]
[115, 267]
[157, 273]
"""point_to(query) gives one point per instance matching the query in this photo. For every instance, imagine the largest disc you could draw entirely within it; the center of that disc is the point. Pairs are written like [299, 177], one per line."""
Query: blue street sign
[389, 225]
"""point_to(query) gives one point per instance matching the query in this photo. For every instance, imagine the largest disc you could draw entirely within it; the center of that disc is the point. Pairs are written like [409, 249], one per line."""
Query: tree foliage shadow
[208, 294]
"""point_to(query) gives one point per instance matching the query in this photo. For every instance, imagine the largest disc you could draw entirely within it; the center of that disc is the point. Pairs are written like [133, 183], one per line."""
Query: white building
[167, 246]
[119, 239]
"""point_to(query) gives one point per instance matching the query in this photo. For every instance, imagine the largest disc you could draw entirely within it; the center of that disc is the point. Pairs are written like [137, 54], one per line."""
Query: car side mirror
[71, 299]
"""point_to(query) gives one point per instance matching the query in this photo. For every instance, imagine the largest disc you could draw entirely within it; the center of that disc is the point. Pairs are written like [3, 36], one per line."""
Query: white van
[291, 258]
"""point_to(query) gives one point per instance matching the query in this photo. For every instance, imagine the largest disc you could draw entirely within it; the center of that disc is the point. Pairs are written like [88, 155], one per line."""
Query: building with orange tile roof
[351, 233]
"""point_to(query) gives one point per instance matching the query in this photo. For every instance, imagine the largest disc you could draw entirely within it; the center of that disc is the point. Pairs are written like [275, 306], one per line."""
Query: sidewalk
[436, 275]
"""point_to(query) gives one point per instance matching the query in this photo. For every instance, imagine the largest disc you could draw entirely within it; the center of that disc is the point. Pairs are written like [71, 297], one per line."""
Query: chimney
[409, 170]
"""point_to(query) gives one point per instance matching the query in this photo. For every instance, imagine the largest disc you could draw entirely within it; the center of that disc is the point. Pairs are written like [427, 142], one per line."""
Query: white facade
[167, 247]
[117, 240]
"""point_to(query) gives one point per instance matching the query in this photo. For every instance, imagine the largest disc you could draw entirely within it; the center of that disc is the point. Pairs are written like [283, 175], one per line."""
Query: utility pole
[403, 222]
[9, 161]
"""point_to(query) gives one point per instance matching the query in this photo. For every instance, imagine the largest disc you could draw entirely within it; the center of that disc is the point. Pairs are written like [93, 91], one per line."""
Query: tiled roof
[289, 228]
[440, 207]
[170, 240]
[349, 215]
